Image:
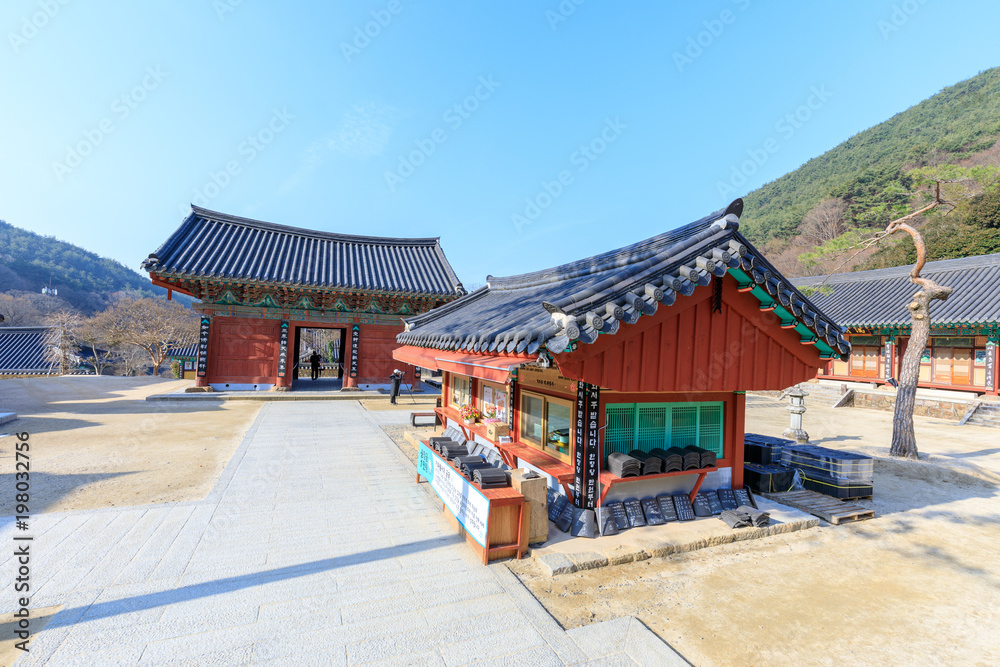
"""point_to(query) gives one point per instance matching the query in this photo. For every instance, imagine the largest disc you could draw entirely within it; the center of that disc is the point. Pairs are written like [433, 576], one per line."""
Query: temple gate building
[260, 284]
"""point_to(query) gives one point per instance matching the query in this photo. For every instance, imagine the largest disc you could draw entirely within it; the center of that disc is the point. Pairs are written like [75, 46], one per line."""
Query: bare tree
[94, 333]
[904, 442]
[154, 325]
[25, 309]
[61, 345]
[127, 360]
[825, 221]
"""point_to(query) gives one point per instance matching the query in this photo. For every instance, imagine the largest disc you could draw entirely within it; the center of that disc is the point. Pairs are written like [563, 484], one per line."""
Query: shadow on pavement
[231, 584]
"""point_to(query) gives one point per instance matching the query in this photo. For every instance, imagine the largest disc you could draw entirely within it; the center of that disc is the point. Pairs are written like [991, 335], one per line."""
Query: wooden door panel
[961, 367]
[942, 365]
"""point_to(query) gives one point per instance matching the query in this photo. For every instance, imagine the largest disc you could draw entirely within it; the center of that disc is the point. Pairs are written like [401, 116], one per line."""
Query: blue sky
[523, 134]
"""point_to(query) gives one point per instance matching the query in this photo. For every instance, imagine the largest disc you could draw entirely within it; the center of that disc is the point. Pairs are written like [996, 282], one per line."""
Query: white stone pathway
[315, 547]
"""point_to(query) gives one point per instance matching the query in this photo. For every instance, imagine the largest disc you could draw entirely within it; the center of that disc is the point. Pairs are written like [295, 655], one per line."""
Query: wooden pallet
[831, 510]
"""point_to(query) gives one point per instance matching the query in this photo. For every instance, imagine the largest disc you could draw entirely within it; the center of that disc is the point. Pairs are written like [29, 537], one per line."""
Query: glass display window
[547, 423]
[460, 391]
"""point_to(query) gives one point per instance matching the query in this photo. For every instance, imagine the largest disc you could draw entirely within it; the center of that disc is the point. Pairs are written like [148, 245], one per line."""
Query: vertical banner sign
[416, 378]
[991, 357]
[510, 407]
[203, 348]
[283, 349]
[592, 474]
[355, 338]
[579, 450]
[888, 360]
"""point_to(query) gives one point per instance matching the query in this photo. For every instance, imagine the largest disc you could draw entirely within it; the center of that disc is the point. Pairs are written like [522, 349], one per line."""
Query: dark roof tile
[879, 297]
[575, 301]
[216, 245]
[22, 351]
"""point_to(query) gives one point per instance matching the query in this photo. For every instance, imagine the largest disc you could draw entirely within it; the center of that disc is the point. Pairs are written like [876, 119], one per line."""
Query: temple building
[261, 284]
[650, 346]
[23, 352]
[962, 352]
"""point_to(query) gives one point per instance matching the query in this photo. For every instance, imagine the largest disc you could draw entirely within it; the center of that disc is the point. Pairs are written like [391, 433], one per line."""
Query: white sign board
[466, 502]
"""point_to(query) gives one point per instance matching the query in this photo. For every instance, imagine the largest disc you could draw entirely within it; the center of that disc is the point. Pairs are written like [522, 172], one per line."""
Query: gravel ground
[96, 442]
[919, 584]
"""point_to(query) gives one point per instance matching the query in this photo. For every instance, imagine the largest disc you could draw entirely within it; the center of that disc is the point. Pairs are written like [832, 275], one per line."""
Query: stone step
[977, 420]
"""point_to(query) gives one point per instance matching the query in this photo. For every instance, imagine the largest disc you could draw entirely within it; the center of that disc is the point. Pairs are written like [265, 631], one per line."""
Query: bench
[426, 415]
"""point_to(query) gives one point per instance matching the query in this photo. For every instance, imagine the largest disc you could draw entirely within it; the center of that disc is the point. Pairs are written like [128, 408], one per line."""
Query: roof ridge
[287, 229]
[605, 261]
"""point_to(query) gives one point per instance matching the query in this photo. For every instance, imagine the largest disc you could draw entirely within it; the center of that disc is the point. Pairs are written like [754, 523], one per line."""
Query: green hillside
[84, 280]
[868, 176]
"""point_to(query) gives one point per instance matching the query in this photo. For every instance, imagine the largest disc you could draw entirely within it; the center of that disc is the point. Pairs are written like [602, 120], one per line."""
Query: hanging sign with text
[545, 378]
[355, 339]
[203, 348]
[592, 474]
[991, 356]
[586, 474]
[283, 350]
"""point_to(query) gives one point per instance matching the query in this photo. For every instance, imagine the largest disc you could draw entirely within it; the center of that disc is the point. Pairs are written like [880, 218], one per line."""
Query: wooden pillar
[738, 429]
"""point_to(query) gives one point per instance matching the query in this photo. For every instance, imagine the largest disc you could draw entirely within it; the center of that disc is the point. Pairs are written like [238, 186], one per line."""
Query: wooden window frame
[452, 377]
[495, 386]
[540, 445]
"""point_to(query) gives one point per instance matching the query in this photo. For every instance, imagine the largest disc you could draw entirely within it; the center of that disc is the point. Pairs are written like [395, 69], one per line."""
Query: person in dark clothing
[314, 360]
[396, 377]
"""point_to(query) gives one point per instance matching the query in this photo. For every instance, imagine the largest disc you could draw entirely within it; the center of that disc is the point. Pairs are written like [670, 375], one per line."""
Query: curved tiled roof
[184, 352]
[879, 297]
[576, 301]
[215, 245]
[22, 351]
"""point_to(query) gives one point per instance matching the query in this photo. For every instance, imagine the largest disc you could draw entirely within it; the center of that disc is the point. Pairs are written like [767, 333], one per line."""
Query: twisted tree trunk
[904, 443]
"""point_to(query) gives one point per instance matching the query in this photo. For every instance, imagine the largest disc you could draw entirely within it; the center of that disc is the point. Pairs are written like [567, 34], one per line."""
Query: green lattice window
[645, 426]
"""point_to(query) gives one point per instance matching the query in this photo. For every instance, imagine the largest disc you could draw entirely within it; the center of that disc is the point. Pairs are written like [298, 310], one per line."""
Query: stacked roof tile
[215, 245]
[577, 301]
[879, 297]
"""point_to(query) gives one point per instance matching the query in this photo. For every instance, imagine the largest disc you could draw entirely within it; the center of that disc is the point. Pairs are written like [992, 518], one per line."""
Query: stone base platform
[564, 554]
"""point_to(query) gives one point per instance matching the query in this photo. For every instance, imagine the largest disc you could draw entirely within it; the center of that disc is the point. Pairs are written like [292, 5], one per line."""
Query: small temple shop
[261, 284]
[653, 345]
[962, 352]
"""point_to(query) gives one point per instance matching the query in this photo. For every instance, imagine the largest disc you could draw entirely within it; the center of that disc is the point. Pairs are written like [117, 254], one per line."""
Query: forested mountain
[84, 280]
[835, 199]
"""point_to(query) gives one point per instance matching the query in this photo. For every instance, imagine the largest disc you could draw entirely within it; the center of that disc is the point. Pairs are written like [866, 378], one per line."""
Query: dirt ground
[920, 584]
[95, 441]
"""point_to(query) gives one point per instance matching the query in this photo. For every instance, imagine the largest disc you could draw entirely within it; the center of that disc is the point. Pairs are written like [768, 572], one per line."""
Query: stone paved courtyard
[314, 547]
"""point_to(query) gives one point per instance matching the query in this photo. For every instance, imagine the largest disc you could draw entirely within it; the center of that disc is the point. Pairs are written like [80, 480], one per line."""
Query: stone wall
[926, 407]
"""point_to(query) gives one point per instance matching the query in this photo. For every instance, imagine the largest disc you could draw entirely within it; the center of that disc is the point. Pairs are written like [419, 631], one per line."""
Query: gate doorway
[329, 343]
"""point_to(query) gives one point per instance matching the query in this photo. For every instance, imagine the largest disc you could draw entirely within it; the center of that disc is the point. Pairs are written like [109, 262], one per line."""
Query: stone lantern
[797, 407]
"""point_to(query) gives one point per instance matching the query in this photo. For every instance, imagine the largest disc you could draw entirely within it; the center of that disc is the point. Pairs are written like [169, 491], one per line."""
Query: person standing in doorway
[396, 377]
[314, 360]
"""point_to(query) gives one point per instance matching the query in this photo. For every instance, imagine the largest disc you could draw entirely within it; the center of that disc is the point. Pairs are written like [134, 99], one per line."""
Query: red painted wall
[687, 347]
[375, 362]
[242, 350]
[245, 351]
